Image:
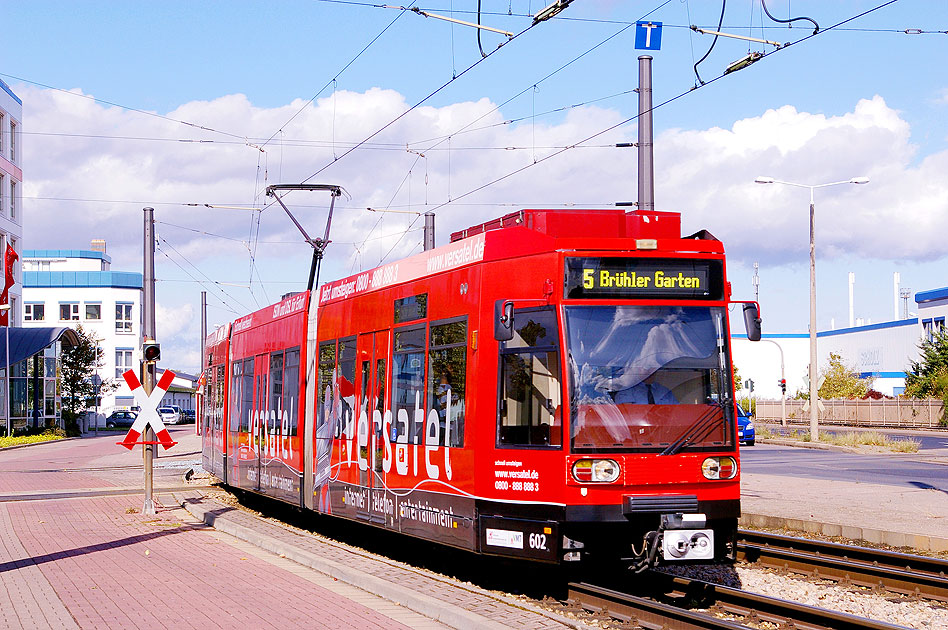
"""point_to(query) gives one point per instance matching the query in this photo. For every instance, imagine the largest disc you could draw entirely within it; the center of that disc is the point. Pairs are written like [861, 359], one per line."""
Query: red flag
[9, 258]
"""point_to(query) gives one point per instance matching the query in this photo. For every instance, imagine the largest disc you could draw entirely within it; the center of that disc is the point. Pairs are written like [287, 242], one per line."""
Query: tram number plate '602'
[537, 540]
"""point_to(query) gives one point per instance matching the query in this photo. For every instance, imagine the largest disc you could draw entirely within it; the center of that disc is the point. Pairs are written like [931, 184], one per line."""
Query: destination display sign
[631, 278]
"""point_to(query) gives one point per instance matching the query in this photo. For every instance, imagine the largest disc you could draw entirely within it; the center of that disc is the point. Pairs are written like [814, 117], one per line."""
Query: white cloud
[707, 174]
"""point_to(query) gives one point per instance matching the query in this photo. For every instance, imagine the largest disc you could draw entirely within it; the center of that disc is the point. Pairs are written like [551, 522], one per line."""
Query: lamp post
[6, 333]
[814, 397]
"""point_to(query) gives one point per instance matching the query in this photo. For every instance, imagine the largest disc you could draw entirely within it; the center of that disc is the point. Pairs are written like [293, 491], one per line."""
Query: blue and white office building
[72, 287]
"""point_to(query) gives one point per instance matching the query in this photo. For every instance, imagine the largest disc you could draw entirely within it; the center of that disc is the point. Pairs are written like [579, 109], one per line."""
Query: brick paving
[456, 604]
[97, 562]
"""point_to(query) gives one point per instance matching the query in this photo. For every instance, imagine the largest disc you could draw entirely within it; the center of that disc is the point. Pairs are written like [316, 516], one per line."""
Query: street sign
[648, 35]
[148, 403]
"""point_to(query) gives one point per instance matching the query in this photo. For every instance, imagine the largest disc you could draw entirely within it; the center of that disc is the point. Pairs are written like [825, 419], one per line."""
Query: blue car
[745, 427]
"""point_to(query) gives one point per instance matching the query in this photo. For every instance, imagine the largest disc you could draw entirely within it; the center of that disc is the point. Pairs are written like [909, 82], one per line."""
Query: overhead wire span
[511, 121]
[208, 283]
[532, 86]
[662, 104]
[336, 77]
[535, 83]
[421, 102]
[125, 107]
[416, 105]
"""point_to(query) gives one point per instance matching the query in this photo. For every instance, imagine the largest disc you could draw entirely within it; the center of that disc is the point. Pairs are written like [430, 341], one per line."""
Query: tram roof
[531, 231]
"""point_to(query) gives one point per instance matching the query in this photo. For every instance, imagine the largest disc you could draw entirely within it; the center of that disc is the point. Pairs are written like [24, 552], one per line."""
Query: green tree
[842, 381]
[928, 377]
[78, 364]
[737, 379]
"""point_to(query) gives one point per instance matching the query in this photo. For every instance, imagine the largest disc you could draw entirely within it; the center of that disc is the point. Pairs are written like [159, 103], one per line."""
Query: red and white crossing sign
[148, 414]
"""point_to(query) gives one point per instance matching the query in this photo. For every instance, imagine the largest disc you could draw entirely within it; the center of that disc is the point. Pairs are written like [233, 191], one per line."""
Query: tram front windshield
[648, 378]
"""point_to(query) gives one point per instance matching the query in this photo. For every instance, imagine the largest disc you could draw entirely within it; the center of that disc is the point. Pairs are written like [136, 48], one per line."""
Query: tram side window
[291, 390]
[246, 395]
[447, 375]
[530, 398]
[346, 386]
[277, 411]
[408, 385]
[235, 384]
[327, 366]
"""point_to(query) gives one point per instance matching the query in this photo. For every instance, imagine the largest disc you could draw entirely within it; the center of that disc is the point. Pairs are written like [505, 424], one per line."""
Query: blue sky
[864, 99]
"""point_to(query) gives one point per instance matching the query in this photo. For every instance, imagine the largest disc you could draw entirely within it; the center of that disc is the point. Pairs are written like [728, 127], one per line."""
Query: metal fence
[898, 412]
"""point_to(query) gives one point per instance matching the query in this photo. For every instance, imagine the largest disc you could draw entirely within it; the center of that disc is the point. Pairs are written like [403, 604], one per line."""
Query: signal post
[151, 352]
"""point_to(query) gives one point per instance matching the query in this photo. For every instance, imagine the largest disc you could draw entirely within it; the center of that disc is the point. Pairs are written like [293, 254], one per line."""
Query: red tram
[552, 385]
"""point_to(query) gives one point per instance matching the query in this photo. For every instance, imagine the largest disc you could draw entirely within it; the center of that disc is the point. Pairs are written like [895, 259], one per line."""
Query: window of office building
[123, 317]
[68, 311]
[93, 311]
[35, 312]
[123, 361]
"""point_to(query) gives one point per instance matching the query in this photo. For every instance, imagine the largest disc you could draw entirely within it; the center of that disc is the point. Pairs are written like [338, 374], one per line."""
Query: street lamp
[814, 397]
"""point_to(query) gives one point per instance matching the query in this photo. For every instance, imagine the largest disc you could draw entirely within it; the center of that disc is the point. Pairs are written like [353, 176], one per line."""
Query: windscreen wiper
[698, 430]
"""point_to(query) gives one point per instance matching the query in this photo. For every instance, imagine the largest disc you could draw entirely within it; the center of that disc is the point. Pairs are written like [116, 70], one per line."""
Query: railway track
[905, 574]
[725, 608]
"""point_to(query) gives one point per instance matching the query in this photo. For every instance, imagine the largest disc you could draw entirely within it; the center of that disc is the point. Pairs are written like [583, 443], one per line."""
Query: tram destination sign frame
[643, 278]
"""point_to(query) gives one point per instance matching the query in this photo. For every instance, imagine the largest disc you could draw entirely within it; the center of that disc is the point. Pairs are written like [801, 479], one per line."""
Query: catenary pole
[148, 368]
[646, 199]
[198, 413]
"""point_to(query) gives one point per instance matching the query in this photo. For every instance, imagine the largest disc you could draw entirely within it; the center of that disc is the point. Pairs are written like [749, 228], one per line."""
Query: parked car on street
[121, 418]
[170, 414]
[188, 415]
[746, 434]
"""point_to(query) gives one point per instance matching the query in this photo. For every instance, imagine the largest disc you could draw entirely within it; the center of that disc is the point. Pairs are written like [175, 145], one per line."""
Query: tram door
[373, 350]
[217, 427]
[258, 425]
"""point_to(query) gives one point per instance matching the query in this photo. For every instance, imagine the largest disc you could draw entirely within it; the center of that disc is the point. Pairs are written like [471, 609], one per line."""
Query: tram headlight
[719, 468]
[596, 471]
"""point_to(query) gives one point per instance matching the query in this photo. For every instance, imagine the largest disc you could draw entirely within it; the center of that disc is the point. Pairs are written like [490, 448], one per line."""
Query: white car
[169, 415]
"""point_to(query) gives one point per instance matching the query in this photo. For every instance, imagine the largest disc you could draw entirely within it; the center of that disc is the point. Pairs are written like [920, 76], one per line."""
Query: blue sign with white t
[648, 35]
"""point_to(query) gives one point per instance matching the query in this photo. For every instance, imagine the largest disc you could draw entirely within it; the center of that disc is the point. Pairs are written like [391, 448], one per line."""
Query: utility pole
[149, 368]
[646, 199]
[429, 231]
[199, 412]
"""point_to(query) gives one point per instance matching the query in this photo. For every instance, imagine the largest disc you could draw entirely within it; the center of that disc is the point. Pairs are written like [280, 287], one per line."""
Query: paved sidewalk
[97, 562]
[76, 552]
[458, 605]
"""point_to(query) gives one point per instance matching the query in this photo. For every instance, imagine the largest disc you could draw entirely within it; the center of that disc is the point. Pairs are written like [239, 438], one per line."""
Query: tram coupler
[686, 537]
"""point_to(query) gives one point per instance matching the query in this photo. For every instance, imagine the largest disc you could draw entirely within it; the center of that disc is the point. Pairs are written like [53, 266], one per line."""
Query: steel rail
[718, 600]
[641, 611]
[907, 574]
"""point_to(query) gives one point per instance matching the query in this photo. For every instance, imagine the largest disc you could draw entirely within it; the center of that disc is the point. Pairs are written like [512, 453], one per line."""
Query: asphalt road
[895, 470]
